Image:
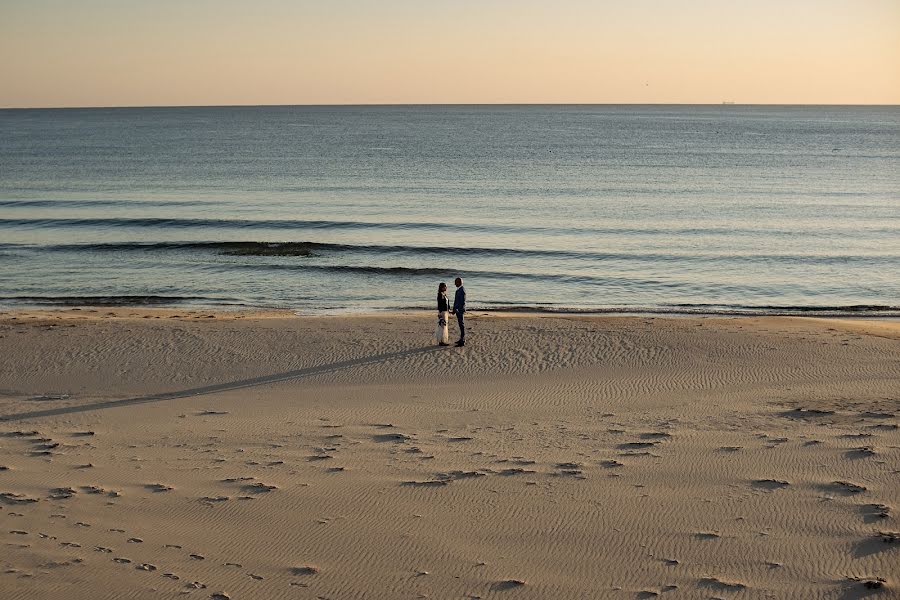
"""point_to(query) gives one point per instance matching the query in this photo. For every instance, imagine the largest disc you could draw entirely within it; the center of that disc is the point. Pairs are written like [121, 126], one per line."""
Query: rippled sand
[149, 454]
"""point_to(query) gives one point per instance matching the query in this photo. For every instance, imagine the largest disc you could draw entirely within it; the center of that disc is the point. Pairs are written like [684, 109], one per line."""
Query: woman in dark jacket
[441, 335]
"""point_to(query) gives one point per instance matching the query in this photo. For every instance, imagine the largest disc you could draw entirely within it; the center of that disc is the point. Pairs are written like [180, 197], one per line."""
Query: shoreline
[885, 325]
[882, 314]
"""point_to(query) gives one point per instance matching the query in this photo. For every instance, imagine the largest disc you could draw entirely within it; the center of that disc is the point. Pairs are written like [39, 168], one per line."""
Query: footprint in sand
[145, 567]
[845, 487]
[259, 488]
[888, 537]
[515, 471]
[317, 457]
[445, 478]
[807, 413]
[122, 561]
[456, 475]
[860, 452]
[869, 583]
[876, 543]
[877, 415]
[427, 483]
[20, 433]
[392, 437]
[508, 584]
[210, 500]
[135, 540]
[720, 585]
[159, 487]
[636, 445]
[568, 465]
[875, 512]
[856, 436]
[62, 493]
[195, 585]
[655, 435]
[885, 426]
[14, 498]
[570, 469]
[304, 570]
[770, 484]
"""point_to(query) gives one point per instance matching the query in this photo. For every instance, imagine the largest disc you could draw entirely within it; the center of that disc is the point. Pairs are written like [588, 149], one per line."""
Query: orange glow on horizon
[129, 53]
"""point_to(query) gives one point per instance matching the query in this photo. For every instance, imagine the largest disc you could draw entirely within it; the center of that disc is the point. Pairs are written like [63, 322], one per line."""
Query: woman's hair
[442, 287]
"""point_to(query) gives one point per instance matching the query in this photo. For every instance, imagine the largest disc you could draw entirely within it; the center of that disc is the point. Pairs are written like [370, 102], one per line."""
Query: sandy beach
[171, 453]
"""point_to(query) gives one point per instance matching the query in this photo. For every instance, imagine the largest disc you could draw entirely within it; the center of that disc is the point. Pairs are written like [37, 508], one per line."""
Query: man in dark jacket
[459, 309]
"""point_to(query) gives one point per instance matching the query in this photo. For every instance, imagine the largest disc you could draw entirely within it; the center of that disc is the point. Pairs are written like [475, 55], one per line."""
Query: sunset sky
[215, 52]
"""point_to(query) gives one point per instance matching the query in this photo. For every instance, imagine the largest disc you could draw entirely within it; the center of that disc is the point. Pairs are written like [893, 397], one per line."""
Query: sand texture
[170, 454]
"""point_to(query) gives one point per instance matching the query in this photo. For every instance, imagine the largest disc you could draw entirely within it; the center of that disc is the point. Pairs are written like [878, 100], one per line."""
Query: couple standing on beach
[459, 309]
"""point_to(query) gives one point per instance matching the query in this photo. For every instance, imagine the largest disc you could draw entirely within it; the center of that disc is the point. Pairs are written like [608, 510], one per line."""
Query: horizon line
[437, 104]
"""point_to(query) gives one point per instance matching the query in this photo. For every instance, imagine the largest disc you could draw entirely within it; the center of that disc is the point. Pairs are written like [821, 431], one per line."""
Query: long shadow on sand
[221, 387]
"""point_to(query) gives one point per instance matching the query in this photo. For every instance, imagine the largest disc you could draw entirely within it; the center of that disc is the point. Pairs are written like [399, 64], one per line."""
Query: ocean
[590, 208]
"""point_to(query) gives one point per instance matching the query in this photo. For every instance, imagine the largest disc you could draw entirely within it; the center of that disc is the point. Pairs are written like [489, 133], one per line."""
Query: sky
[224, 52]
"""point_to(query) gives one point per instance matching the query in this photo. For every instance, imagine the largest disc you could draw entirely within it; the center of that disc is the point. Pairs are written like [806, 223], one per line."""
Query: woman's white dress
[441, 334]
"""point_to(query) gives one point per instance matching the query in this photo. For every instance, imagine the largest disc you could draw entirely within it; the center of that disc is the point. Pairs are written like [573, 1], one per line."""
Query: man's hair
[458, 281]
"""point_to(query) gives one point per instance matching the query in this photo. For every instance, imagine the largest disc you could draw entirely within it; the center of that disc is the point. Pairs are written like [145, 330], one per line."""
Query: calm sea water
[618, 208]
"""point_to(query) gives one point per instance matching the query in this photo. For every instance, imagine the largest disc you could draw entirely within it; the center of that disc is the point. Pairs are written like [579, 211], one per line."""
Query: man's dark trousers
[459, 307]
